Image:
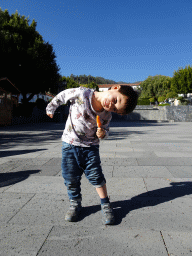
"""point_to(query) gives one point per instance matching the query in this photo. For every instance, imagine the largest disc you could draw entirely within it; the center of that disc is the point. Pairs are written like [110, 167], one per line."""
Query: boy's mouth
[106, 103]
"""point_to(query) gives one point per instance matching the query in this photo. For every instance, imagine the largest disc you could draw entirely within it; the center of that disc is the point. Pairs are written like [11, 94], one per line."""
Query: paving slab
[125, 186]
[9, 165]
[43, 209]
[50, 209]
[173, 154]
[22, 240]
[56, 161]
[148, 168]
[11, 204]
[116, 161]
[180, 171]
[134, 154]
[15, 162]
[102, 241]
[55, 185]
[38, 184]
[23, 154]
[173, 187]
[107, 171]
[115, 149]
[157, 213]
[4, 188]
[165, 161]
[171, 146]
[50, 155]
[107, 155]
[40, 170]
[178, 243]
[11, 178]
[142, 171]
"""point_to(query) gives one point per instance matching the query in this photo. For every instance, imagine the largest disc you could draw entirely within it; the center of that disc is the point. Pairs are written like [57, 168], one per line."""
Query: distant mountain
[121, 82]
[129, 82]
[84, 79]
[137, 82]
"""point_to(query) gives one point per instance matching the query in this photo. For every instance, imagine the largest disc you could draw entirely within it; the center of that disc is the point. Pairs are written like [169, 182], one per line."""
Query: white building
[46, 97]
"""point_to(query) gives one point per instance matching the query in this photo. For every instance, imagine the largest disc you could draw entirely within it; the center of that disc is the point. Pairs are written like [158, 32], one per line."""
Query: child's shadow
[11, 178]
[151, 198]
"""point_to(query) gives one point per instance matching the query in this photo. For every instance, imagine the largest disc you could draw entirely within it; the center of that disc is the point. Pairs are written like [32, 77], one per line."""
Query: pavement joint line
[145, 184]
[20, 209]
[7, 188]
[49, 159]
[164, 243]
[45, 240]
[56, 173]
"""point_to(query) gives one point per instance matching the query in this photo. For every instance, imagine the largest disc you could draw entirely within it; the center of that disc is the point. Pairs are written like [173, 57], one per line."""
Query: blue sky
[122, 40]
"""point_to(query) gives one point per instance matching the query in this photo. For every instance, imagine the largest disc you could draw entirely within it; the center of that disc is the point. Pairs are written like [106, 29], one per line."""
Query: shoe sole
[108, 223]
[73, 218]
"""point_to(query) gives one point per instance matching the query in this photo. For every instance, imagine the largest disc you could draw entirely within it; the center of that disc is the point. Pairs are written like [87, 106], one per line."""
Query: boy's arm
[60, 99]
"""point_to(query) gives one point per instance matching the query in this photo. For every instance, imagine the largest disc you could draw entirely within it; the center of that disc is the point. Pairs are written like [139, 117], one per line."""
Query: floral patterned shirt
[81, 125]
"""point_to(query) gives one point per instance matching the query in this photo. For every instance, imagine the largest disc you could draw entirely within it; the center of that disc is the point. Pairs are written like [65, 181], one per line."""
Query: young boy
[80, 149]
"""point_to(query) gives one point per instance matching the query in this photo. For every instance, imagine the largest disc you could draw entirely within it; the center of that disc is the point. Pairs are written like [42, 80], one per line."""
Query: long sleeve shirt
[81, 125]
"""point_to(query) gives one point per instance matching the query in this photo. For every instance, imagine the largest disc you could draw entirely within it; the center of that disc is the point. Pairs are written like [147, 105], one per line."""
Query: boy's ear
[116, 87]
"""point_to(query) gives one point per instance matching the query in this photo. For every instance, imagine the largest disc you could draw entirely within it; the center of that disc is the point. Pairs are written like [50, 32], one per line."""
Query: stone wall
[166, 113]
[179, 113]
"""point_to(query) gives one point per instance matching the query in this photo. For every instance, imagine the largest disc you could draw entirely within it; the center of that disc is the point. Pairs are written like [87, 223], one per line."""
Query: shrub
[165, 104]
[143, 101]
[185, 103]
[181, 99]
[152, 100]
[161, 98]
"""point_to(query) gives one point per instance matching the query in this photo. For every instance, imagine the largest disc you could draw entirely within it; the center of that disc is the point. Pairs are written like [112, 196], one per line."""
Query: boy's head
[122, 99]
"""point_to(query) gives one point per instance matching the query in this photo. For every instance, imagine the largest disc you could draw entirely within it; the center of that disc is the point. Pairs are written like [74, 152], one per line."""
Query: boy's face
[113, 100]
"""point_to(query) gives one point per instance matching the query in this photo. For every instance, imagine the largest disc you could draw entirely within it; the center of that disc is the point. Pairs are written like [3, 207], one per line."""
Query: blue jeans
[76, 161]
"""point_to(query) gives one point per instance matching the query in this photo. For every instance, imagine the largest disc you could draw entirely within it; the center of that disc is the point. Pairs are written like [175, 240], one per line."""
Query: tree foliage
[27, 60]
[84, 79]
[155, 86]
[171, 94]
[68, 82]
[182, 80]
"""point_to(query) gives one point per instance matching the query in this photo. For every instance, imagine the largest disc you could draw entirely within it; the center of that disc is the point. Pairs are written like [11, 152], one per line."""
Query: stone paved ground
[148, 167]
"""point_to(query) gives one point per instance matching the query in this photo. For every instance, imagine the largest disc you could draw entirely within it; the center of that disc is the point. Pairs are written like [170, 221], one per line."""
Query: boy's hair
[132, 97]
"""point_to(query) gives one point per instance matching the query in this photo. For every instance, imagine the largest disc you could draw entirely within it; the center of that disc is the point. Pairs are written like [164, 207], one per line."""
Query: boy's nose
[111, 104]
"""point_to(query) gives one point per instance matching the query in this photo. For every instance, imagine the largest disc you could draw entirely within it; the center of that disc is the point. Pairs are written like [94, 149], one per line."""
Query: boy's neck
[96, 104]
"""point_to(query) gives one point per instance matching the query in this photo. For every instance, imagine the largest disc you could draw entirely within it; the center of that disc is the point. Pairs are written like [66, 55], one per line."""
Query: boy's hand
[50, 115]
[100, 133]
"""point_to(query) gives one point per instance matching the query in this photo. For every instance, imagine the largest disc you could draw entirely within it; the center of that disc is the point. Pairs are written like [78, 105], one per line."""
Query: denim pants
[76, 161]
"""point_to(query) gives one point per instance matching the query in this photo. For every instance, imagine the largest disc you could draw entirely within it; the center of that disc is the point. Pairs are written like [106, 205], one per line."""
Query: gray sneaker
[108, 215]
[74, 211]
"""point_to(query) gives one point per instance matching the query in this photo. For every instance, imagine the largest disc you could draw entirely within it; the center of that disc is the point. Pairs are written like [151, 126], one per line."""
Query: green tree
[155, 86]
[27, 60]
[91, 85]
[182, 80]
[171, 94]
[68, 82]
